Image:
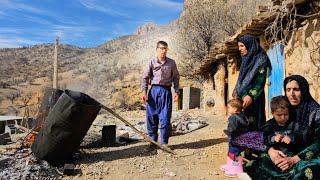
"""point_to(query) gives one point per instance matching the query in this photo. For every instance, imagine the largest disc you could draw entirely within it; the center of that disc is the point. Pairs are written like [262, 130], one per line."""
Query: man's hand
[144, 98]
[278, 138]
[247, 100]
[286, 139]
[176, 97]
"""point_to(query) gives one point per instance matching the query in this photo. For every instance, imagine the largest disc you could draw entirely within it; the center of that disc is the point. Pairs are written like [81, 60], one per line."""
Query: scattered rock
[142, 168]
[4, 162]
[215, 173]
[169, 173]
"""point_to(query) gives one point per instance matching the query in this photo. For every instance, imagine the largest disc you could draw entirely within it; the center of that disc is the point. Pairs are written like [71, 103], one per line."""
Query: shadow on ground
[199, 144]
[136, 151]
[141, 151]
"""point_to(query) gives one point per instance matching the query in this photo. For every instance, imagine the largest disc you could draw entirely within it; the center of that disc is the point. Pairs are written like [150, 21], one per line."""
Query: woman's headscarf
[251, 63]
[307, 104]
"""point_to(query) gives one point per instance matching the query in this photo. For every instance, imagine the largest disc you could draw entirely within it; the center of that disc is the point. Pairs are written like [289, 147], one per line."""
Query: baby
[279, 131]
[237, 125]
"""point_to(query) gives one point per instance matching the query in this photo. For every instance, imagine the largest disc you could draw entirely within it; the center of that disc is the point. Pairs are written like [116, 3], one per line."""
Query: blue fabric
[251, 63]
[234, 151]
[159, 109]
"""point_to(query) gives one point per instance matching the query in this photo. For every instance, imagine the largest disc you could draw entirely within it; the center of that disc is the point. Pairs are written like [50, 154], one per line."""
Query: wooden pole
[147, 138]
[55, 64]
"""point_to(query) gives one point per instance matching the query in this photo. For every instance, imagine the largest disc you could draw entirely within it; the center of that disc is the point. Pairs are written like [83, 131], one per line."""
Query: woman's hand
[276, 155]
[288, 162]
[281, 160]
[247, 100]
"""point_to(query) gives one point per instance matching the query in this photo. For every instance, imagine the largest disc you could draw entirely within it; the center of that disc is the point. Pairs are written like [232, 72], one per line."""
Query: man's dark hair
[236, 103]
[162, 43]
[279, 102]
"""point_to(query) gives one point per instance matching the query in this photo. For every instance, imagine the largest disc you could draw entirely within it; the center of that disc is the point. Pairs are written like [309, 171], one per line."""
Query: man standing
[160, 73]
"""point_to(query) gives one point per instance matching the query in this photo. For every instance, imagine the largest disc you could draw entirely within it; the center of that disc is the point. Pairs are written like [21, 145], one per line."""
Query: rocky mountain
[27, 63]
[104, 72]
[110, 72]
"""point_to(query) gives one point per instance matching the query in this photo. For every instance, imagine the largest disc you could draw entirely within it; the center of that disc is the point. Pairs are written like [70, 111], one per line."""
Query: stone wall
[233, 74]
[302, 55]
[214, 96]
[207, 100]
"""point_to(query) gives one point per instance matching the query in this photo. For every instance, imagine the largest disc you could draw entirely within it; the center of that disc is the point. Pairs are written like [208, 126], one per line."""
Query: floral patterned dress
[307, 116]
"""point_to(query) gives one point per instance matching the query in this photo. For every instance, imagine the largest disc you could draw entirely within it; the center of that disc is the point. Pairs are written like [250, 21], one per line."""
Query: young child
[279, 131]
[237, 124]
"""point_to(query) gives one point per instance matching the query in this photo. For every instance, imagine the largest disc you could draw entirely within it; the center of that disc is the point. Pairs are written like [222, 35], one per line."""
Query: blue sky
[84, 23]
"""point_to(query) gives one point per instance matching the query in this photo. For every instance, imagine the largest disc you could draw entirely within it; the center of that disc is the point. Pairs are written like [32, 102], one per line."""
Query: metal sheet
[275, 53]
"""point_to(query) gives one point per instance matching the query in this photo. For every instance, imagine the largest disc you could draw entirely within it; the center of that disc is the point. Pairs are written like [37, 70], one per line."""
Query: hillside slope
[110, 72]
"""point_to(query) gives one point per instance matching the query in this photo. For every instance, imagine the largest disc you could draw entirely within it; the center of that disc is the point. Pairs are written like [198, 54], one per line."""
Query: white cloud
[72, 32]
[6, 4]
[37, 20]
[165, 4]
[102, 7]
[22, 10]
[7, 30]
[15, 42]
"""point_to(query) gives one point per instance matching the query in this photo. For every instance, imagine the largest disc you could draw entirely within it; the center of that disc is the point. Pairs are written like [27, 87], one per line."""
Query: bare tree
[12, 96]
[205, 23]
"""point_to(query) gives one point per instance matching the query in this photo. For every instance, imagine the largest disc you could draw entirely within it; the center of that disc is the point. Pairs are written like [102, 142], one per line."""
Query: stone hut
[289, 31]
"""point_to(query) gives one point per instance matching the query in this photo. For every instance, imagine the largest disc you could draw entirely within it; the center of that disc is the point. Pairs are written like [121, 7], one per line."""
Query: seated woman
[305, 164]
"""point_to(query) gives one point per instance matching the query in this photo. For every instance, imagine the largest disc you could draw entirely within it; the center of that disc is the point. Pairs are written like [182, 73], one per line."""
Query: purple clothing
[164, 74]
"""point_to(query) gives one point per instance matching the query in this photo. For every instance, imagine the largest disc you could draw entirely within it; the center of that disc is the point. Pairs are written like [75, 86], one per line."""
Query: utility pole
[55, 64]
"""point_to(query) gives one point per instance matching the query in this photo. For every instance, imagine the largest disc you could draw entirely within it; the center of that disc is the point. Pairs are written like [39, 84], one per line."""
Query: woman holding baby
[305, 112]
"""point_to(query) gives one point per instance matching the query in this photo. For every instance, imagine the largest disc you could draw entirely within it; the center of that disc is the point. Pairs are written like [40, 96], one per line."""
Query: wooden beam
[220, 56]
[147, 138]
[55, 65]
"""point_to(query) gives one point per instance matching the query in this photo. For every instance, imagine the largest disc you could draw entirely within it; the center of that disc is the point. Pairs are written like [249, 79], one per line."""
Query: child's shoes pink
[226, 166]
[235, 168]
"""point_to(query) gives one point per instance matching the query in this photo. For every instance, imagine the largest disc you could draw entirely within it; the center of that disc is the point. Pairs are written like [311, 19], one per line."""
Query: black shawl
[307, 104]
[251, 63]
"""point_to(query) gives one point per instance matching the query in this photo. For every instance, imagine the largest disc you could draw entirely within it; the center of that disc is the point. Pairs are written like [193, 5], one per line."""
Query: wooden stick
[147, 138]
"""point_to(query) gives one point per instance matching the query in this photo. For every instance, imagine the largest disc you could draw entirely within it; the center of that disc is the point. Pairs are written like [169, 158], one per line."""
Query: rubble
[184, 122]
[22, 165]
[95, 161]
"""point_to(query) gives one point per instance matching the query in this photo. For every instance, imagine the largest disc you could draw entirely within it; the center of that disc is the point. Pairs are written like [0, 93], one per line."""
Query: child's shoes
[235, 168]
[226, 166]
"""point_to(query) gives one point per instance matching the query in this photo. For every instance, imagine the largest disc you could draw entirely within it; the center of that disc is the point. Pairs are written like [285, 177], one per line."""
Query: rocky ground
[199, 155]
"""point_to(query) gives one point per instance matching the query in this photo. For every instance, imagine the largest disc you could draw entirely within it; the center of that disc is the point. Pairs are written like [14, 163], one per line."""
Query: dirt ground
[199, 155]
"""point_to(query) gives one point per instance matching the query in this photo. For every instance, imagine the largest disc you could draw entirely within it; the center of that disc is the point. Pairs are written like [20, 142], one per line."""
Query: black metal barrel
[109, 135]
[65, 127]
[49, 99]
